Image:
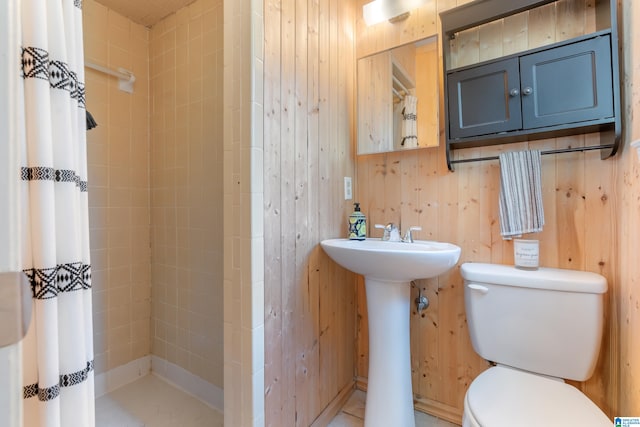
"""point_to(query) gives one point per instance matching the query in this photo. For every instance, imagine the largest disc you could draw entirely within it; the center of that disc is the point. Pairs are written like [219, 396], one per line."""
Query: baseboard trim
[438, 409]
[333, 408]
[203, 390]
[122, 375]
[428, 406]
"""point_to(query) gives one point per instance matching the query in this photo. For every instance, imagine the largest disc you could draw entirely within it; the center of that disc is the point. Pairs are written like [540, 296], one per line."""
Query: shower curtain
[58, 349]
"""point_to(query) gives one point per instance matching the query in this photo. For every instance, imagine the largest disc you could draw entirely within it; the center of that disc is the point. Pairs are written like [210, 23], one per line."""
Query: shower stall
[155, 197]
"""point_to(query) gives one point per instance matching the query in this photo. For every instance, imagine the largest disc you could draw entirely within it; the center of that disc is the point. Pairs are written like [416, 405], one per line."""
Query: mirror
[398, 98]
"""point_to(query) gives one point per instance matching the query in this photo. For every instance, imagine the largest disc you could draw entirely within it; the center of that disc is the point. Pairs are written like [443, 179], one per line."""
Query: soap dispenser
[357, 224]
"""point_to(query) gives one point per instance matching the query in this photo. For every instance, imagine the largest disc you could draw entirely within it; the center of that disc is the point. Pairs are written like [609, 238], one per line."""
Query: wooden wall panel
[376, 122]
[309, 99]
[428, 66]
[583, 195]
[580, 201]
[275, 377]
[422, 23]
[627, 193]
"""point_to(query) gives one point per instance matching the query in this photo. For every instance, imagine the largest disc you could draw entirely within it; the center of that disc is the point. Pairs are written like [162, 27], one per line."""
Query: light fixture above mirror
[389, 10]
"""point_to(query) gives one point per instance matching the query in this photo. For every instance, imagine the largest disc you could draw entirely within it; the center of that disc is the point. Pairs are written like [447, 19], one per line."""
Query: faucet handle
[391, 232]
[385, 233]
[408, 236]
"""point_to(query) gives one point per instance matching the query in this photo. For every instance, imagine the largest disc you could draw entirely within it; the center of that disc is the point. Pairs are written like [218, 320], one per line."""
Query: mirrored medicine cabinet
[398, 98]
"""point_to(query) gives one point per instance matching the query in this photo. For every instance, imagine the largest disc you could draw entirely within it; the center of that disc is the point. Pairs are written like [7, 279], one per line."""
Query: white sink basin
[388, 269]
[393, 261]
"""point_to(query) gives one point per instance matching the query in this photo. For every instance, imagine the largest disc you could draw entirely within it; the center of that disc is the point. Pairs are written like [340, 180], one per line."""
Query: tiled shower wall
[118, 160]
[186, 189]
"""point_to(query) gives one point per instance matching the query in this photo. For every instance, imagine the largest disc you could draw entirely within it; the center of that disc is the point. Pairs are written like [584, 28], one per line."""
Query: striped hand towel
[520, 193]
[409, 122]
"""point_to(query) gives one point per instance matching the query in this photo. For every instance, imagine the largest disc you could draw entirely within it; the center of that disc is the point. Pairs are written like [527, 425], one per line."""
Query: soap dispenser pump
[357, 224]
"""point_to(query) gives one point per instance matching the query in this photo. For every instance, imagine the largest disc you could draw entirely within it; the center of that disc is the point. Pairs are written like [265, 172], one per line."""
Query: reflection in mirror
[398, 98]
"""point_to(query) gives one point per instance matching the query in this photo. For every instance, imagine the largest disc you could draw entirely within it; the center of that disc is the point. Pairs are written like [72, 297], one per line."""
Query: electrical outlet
[348, 193]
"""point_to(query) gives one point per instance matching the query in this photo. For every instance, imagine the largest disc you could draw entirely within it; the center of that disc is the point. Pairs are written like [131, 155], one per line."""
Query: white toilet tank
[548, 321]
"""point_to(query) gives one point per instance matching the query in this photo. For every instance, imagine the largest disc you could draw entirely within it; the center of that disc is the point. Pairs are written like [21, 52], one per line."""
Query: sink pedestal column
[389, 393]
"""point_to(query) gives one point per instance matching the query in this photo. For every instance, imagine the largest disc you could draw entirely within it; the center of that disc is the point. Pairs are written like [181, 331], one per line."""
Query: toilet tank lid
[543, 278]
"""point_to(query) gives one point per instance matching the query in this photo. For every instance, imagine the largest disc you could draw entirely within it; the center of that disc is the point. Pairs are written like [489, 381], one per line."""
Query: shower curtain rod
[125, 77]
[558, 151]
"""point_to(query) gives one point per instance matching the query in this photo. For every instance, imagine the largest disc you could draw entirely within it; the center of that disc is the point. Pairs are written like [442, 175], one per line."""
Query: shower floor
[153, 402]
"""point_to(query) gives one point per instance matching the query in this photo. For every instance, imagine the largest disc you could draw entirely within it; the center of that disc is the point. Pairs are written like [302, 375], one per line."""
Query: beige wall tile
[98, 175]
[155, 176]
[118, 180]
[119, 353]
[186, 270]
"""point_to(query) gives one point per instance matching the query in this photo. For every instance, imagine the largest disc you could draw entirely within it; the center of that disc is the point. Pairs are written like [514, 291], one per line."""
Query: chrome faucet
[391, 233]
[408, 236]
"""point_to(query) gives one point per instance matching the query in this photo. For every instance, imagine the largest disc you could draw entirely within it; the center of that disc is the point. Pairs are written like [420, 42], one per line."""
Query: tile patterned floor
[152, 402]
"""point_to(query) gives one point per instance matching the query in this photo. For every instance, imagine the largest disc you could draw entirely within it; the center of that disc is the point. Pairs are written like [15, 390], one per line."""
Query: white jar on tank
[538, 327]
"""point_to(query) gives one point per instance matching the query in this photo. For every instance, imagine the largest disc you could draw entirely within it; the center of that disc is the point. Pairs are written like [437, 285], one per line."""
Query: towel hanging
[409, 122]
[521, 209]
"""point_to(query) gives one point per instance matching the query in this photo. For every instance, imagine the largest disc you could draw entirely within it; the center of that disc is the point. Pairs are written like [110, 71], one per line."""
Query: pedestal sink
[388, 269]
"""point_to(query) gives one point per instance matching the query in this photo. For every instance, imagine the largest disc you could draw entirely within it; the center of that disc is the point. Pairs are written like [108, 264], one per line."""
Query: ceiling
[145, 12]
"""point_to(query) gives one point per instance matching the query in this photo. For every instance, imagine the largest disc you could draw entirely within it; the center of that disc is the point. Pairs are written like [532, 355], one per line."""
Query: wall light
[389, 10]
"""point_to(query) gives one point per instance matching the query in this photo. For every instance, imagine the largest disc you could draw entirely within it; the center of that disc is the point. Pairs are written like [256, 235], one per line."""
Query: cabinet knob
[527, 91]
[514, 92]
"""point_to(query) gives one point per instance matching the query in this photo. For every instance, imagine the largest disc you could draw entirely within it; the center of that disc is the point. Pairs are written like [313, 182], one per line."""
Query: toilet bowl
[537, 327]
[502, 396]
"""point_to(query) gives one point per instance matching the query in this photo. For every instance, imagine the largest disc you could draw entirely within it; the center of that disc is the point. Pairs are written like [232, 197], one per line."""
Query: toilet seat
[503, 396]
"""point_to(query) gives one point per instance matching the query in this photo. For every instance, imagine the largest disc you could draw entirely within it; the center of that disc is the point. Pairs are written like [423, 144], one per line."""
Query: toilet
[538, 328]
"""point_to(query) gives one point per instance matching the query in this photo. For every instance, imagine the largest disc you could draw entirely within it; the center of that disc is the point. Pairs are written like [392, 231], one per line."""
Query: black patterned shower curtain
[58, 350]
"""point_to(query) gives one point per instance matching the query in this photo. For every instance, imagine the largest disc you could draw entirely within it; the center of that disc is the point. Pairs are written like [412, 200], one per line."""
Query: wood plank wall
[308, 300]
[415, 188]
[628, 186]
[309, 65]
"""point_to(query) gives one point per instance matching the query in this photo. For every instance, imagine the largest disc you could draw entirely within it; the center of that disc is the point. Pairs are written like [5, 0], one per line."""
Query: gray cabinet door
[567, 84]
[484, 99]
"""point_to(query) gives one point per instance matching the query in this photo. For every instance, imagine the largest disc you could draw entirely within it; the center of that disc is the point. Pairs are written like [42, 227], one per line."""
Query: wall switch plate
[348, 193]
